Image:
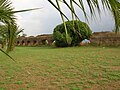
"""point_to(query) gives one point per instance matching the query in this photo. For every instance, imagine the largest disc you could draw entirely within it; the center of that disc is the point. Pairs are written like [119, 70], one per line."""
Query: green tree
[7, 18]
[5, 36]
[80, 32]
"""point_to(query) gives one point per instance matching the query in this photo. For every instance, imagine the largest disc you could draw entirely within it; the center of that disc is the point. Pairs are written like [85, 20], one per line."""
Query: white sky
[44, 20]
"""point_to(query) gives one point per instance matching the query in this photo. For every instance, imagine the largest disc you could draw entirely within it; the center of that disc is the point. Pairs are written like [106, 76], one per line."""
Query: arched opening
[45, 42]
[34, 42]
[28, 43]
[18, 42]
[23, 43]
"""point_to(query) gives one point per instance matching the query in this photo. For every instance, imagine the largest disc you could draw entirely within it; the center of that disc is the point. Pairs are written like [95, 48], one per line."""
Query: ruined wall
[105, 39]
[34, 41]
[98, 38]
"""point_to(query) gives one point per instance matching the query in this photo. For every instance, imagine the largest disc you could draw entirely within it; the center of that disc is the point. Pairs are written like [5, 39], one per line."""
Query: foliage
[77, 32]
[7, 17]
[4, 34]
[11, 29]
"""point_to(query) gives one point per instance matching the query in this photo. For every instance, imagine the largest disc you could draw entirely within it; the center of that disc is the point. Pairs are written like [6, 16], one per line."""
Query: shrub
[77, 32]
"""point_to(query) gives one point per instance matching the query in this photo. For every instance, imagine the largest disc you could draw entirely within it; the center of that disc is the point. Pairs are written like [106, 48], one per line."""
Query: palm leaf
[58, 9]
[112, 5]
[72, 10]
[8, 18]
[7, 55]
[24, 10]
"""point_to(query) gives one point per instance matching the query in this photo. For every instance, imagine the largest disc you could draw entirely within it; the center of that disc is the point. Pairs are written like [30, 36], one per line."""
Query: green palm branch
[112, 5]
[7, 17]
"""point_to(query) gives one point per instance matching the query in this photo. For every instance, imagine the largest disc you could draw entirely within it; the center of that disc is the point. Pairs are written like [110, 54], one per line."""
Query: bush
[76, 33]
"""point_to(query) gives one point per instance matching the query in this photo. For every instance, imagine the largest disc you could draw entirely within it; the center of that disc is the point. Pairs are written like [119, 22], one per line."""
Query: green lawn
[47, 68]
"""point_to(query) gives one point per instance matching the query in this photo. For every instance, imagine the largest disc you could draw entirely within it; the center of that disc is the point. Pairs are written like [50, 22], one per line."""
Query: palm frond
[58, 9]
[7, 55]
[112, 5]
[24, 10]
[116, 13]
[8, 18]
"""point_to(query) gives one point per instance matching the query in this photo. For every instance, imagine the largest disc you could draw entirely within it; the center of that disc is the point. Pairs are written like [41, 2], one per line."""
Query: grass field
[47, 68]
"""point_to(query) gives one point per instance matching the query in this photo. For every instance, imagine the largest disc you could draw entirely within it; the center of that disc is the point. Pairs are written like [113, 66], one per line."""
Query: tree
[80, 32]
[5, 36]
[7, 18]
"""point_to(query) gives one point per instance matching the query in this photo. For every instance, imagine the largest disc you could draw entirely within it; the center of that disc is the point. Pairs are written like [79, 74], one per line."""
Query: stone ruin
[35, 41]
[105, 39]
[98, 38]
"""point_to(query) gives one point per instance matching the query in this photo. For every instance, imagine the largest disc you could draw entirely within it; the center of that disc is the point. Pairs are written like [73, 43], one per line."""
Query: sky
[44, 20]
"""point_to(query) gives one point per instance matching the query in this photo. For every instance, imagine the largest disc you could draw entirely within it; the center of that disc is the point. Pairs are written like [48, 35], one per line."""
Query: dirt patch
[109, 86]
[115, 68]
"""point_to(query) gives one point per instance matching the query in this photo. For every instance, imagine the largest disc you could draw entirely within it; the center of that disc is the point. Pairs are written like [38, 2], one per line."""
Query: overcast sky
[44, 20]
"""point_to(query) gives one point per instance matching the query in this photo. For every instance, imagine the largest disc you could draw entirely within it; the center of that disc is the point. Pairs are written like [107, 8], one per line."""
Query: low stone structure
[35, 41]
[98, 38]
[105, 39]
